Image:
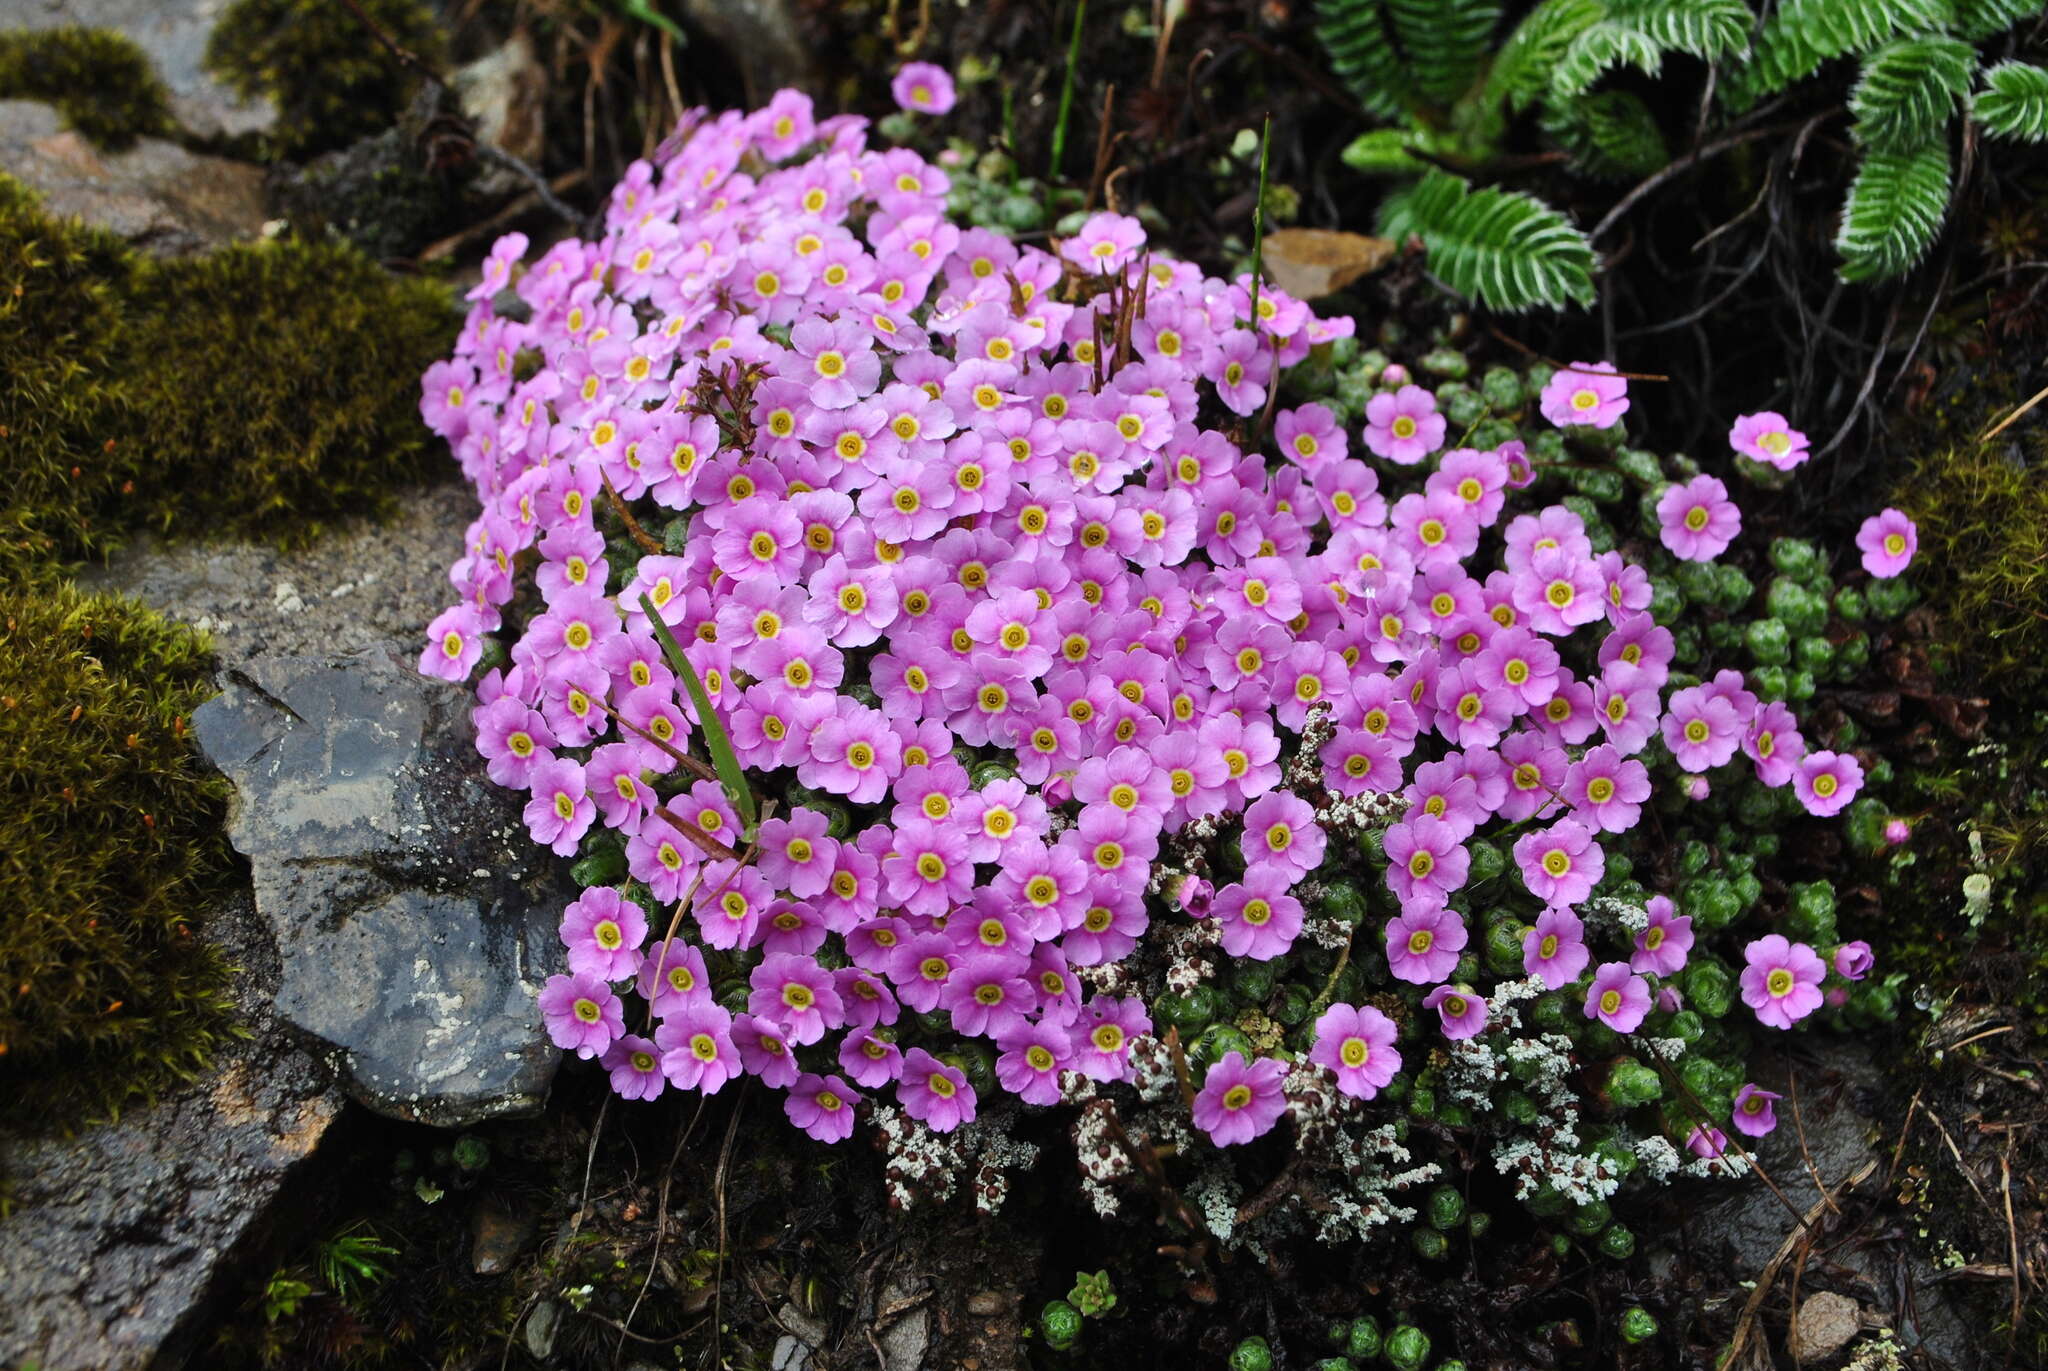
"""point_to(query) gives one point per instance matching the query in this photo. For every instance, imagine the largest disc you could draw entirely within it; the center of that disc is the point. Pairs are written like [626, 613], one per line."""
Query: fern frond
[2014, 101]
[1508, 250]
[1445, 42]
[1362, 53]
[1909, 89]
[1382, 152]
[1802, 34]
[1639, 33]
[1610, 135]
[1522, 70]
[1977, 20]
[1896, 206]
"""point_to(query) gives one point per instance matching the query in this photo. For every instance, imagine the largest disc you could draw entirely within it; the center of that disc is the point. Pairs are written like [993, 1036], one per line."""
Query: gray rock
[122, 1239]
[415, 922]
[908, 1336]
[155, 194]
[1827, 1322]
[764, 37]
[174, 34]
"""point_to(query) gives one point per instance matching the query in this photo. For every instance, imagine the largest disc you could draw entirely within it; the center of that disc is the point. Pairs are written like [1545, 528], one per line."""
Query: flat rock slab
[155, 194]
[415, 922]
[174, 34]
[119, 1237]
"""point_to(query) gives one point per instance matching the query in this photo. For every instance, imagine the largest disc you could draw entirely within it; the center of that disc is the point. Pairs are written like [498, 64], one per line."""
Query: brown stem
[639, 534]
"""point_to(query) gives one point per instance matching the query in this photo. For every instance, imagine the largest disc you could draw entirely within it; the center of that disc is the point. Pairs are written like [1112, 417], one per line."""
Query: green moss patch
[110, 840]
[100, 81]
[331, 80]
[261, 390]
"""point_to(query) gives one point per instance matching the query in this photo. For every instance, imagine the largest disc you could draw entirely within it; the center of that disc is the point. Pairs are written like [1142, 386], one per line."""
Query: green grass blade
[723, 759]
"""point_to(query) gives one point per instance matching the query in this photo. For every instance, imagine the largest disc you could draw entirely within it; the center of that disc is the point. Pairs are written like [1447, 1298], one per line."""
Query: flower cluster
[1007, 574]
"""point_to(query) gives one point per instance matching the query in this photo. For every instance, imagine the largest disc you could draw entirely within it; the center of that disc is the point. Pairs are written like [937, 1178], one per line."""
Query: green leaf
[1804, 33]
[1640, 33]
[1362, 53]
[1382, 152]
[723, 759]
[1909, 89]
[1444, 42]
[1977, 20]
[2014, 101]
[647, 14]
[1896, 206]
[1522, 70]
[1610, 135]
[1508, 250]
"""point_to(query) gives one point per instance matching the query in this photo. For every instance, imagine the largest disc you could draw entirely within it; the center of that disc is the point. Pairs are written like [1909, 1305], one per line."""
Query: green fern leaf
[1597, 50]
[1610, 135]
[1909, 89]
[1509, 251]
[1382, 152]
[1522, 70]
[1896, 206]
[1362, 53]
[1707, 29]
[1445, 42]
[2014, 101]
[1805, 33]
[1977, 20]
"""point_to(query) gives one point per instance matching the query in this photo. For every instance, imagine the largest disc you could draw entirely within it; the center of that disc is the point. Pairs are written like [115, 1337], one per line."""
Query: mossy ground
[100, 81]
[331, 80]
[110, 843]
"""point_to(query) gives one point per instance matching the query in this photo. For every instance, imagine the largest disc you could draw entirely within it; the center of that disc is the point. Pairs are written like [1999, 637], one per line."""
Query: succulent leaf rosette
[1070, 666]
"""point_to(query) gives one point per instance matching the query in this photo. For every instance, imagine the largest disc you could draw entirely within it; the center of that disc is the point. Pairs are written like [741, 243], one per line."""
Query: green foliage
[2014, 101]
[1356, 35]
[353, 1261]
[280, 382]
[1610, 135]
[331, 80]
[1532, 52]
[1896, 205]
[110, 838]
[100, 81]
[1444, 42]
[1908, 91]
[1092, 1294]
[1640, 33]
[1507, 249]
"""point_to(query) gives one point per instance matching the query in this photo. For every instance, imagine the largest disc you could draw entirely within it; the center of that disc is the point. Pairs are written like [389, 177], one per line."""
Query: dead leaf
[1311, 263]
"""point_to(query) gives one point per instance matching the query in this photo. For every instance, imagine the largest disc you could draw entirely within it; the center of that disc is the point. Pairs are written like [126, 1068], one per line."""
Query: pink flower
[1281, 834]
[1423, 945]
[1260, 919]
[1309, 437]
[1588, 393]
[1854, 960]
[1403, 426]
[1554, 950]
[935, 1094]
[1697, 521]
[1462, 1013]
[697, 1048]
[795, 992]
[603, 932]
[1772, 741]
[1357, 1044]
[635, 1067]
[1607, 788]
[1102, 1037]
[581, 1013]
[561, 811]
[1240, 1100]
[1425, 862]
[1033, 1057]
[1617, 998]
[1662, 946]
[455, 640]
[1889, 540]
[672, 977]
[922, 88]
[1706, 1142]
[1105, 243]
[1767, 437]
[1561, 864]
[1752, 1113]
[1782, 980]
[821, 1106]
[1826, 781]
[1701, 730]
[872, 1061]
[1240, 369]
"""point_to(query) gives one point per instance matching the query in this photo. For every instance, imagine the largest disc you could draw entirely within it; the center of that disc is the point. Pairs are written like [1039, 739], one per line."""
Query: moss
[262, 389]
[331, 80]
[279, 384]
[1982, 513]
[110, 837]
[100, 81]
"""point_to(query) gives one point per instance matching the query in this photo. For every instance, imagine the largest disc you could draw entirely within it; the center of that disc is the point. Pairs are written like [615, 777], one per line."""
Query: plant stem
[1059, 128]
[1259, 222]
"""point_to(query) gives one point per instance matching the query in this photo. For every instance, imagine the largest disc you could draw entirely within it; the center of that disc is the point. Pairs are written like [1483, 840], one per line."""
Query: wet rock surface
[414, 925]
[174, 34]
[120, 1239]
[156, 194]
